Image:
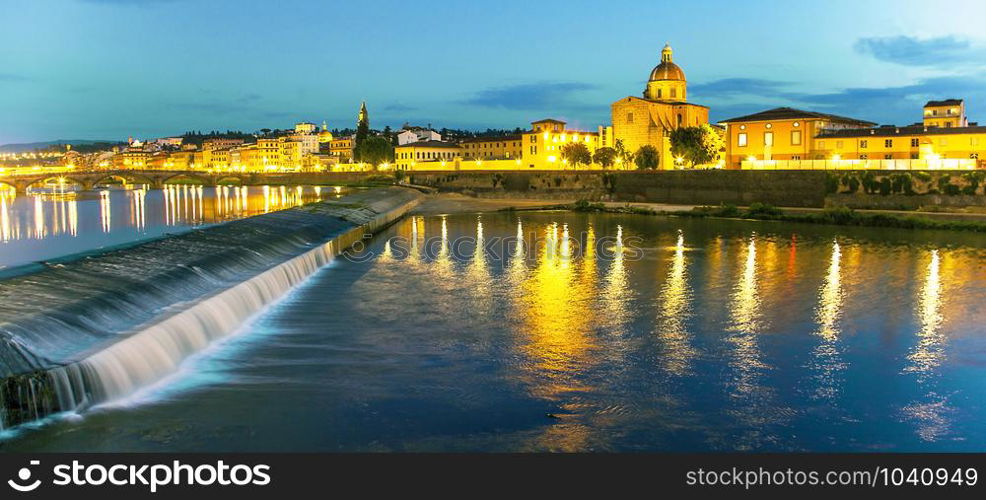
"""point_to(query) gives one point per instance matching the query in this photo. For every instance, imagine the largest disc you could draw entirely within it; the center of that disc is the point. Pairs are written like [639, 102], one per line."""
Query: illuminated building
[341, 149]
[785, 138]
[542, 145]
[649, 120]
[780, 134]
[425, 155]
[946, 114]
[492, 148]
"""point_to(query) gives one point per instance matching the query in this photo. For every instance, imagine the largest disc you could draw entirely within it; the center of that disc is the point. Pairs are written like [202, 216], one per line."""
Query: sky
[109, 69]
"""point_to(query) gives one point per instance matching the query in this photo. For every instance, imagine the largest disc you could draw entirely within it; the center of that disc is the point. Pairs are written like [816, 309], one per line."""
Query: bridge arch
[55, 180]
[184, 176]
[229, 180]
[7, 188]
[125, 177]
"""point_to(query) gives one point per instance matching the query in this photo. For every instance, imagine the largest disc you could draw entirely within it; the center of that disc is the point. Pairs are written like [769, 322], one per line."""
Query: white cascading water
[157, 350]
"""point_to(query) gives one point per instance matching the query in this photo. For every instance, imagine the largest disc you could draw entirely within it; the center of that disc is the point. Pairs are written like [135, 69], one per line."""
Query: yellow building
[786, 138]
[781, 134]
[492, 148]
[934, 147]
[649, 120]
[947, 113]
[542, 145]
[341, 149]
[268, 152]
[426, 155]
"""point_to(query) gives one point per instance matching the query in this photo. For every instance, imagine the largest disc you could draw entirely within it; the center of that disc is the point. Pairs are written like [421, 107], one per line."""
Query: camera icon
[24, 475]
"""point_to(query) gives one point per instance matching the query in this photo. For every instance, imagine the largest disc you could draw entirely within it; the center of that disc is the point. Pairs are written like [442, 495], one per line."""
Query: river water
[600, 332]
[45, 225]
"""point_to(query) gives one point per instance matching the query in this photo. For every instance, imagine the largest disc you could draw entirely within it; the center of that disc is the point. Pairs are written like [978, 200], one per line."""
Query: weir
[100, 327]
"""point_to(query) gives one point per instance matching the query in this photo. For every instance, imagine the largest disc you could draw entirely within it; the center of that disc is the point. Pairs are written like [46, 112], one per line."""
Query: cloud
[398, 108]
[141, 3]
[11, 77]
[911, 51]
[900, 104]
[732, 87]
[530, 96]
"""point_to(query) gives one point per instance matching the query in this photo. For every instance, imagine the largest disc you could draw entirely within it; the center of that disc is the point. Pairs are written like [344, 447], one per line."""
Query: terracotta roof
[549, 120]
[887, 131]
[430, 144]
[946, 102]
[493, 138]
[791, 113]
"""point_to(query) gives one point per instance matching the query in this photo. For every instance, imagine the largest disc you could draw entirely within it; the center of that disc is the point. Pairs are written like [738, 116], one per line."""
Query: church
[649, 120]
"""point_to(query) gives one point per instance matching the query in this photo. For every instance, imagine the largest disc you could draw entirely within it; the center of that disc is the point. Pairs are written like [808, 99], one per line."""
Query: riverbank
[451, 203]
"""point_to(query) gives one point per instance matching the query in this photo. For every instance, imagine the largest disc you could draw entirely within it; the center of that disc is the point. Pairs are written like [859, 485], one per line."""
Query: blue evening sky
[107, 69]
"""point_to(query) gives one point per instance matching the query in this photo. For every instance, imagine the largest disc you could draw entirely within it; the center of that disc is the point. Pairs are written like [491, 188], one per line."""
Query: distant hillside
[32, 146]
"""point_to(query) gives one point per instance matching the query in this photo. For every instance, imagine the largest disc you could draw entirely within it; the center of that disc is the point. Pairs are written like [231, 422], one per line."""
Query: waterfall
[91, 331]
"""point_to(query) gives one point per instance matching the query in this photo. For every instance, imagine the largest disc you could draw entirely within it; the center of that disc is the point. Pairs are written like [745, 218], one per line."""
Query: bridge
[88, 180]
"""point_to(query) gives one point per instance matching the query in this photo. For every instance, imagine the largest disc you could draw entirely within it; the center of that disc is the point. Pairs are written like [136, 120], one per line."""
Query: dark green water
[670, 334]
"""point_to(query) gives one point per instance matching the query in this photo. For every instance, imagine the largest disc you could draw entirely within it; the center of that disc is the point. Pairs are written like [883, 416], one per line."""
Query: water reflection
[932, 412]
[616, 292]
[674, 311]
[827, 355]
[85, 220]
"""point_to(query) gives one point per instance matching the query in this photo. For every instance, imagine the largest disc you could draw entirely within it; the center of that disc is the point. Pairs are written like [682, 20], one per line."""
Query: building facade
[425, 155]
[649, 120]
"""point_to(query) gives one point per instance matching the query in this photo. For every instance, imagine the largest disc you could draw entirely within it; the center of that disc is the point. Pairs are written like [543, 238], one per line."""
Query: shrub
[762, 210]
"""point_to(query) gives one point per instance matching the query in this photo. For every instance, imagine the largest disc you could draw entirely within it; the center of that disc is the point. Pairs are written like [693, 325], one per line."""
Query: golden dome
[667, 70]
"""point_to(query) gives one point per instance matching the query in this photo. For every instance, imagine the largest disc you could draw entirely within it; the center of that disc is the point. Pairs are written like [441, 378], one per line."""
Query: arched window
[674, 92]
[679, 119]
[658, 93]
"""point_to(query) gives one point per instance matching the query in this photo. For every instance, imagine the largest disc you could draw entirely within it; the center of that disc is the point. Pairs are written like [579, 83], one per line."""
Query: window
[629, 117]
[863, 143]
[888, 156]
[658, 93]
[915, 142]
[915, 156]
[795, 157]
[974, 156]
[679, 119]
[674, 92]
[741, 139]
[768, 138]
[863, 156]
[888, 143]
[796, 137]
[948, 124]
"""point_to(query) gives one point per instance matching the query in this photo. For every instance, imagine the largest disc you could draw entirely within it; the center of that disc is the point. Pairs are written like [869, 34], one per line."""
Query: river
[600, 332]
[45, 225]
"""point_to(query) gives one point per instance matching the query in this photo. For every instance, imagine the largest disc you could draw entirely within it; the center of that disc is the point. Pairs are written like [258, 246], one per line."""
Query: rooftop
[493, 138]
[946, 102]
[430, 144]
[889, 131]
[791, 113]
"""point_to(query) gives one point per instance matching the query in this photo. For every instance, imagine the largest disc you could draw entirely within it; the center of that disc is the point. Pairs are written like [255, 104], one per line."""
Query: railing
[940, 164]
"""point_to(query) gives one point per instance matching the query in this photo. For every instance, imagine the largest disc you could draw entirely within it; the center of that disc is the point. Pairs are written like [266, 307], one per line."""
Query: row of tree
[698, 145]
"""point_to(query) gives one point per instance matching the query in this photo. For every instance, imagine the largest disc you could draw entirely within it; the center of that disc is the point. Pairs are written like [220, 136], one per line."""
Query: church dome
[667, 70]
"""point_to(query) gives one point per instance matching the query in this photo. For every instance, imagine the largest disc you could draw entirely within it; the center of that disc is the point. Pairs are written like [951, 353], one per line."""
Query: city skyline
[107, 69]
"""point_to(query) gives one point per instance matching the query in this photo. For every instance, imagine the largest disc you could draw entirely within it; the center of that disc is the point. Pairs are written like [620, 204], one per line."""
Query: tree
[605, 157]
[576, 153]
[696, 145]
[375, 150]
[622, 155]
[646, 157]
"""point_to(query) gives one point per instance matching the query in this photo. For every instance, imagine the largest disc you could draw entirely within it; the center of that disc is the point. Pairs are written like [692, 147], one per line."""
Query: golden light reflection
[827, 354]
[615, 293]
[746, 326]
[674, 312]
[517, 269]
[443, 258]
[928, 354]
[556, 319]
[830, 297]
[105, 216]
[746, 295]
